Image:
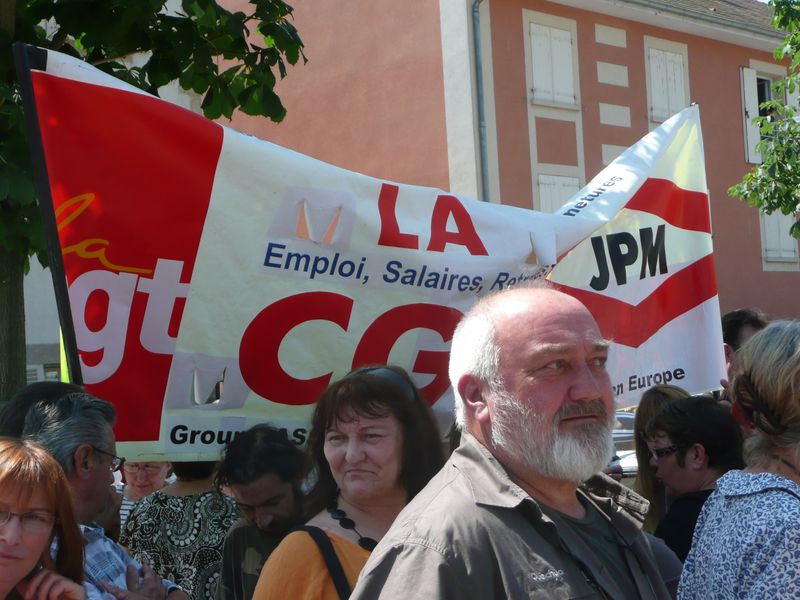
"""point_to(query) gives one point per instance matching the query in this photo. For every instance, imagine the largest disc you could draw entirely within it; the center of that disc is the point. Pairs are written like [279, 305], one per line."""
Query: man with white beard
[508, 516]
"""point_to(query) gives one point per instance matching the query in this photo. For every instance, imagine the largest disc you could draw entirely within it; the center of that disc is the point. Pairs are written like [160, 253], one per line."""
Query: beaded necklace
[345, 522]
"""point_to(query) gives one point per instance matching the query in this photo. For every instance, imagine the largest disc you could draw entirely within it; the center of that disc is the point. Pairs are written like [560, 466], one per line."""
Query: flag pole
[27, 57]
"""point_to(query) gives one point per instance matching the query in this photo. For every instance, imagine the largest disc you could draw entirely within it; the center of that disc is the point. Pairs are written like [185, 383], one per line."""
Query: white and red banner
[194, 255]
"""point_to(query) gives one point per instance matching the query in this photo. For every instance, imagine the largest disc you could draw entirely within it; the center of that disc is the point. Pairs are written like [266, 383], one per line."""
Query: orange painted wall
[371, 97]
[714, 84]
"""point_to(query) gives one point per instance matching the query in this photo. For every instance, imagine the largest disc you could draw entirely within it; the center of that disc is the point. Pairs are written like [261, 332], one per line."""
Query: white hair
[474, 349]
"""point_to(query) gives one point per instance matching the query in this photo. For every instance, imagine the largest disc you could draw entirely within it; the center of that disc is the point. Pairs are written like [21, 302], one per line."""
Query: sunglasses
[659, 453]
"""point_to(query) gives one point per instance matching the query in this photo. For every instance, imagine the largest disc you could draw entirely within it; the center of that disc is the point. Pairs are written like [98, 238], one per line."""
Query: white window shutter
[788, 244]
[676, 88]
[551, 61]
[563, 81]
[792, 99]
[659, 89]
[778, 242]
[542, 63]
[555, 190]
[750, 111]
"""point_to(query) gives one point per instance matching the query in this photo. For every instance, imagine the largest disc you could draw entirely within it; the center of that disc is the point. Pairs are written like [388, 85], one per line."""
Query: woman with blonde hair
[646, 483]
[35, 509]
[747, 540]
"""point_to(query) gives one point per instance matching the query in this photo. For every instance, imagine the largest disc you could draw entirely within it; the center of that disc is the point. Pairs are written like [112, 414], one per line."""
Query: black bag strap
[329, 554]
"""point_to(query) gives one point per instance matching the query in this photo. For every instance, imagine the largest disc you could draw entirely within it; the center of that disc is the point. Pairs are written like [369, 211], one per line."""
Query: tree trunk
[12, 323]
[7, 14]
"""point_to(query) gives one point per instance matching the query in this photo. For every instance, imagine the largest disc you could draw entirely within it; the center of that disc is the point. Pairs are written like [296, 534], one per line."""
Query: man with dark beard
[262, 470]
[508, 516]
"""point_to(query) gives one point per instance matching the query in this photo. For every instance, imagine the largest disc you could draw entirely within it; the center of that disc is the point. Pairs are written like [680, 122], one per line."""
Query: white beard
[541, 447]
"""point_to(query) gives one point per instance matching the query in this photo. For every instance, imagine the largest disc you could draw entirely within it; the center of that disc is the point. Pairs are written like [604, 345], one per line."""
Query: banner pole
[27, 57]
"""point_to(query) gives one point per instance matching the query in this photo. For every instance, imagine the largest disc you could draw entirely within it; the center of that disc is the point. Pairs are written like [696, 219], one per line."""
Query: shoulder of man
[444, 532]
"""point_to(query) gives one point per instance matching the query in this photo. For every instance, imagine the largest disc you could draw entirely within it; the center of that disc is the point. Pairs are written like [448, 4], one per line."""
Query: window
[667, 83]
[555, 126]
[551, 65]
[778, 246]
[757, 81]
[755, 89]
[555, 190]
[779, 250]
[764, 92]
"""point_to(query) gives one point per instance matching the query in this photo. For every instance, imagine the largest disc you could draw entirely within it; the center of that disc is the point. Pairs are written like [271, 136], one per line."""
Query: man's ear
[729, 352]
[696, 456]
[82, 461]
[473, 392]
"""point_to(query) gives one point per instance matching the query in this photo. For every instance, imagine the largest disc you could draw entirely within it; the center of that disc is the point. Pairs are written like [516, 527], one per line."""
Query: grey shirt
[244, 553]
[474, 533]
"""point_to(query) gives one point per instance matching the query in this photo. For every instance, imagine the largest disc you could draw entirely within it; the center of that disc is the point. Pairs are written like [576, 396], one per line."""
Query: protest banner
[190, 258]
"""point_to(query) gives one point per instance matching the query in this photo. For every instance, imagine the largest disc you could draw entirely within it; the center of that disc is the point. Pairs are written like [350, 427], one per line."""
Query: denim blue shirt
[747, 541]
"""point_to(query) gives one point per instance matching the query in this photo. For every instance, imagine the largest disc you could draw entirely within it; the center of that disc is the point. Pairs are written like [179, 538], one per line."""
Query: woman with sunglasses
[747, 539]
[35, 510]
[693, 442]
[646, 483]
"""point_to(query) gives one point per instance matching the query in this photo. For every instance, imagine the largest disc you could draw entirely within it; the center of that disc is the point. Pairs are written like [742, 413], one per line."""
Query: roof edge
[667, 16]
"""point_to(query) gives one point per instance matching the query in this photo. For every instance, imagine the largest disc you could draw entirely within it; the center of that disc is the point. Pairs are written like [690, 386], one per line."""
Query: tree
[231, 58]
[775, 183]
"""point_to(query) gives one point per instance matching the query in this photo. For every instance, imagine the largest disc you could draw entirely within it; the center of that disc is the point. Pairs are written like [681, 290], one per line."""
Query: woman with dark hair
[693, 442]
[375, 445]
[179, 530]
[647, 484]
[35, 509]
[747, 540]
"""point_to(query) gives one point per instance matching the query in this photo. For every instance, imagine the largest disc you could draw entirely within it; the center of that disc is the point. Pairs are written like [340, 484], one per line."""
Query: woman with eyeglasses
[141, 480]
[35, 510]
[747, 539]
[374, 444]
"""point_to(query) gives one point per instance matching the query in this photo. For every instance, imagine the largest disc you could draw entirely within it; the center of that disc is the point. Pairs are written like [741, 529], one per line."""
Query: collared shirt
[105, 560]
[747, 540]
[474, 533]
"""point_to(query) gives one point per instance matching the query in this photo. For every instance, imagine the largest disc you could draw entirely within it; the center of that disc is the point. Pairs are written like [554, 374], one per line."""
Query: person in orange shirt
[368, 469]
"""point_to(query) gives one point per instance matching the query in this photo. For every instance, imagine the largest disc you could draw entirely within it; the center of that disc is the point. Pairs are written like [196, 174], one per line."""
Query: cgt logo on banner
[198, 258]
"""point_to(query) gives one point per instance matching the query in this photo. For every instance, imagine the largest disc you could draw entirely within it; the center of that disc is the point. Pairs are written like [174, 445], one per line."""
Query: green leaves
[232, 58]
[774, 185]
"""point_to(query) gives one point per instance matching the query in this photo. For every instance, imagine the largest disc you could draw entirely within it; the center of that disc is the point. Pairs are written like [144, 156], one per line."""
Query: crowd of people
[372, 507]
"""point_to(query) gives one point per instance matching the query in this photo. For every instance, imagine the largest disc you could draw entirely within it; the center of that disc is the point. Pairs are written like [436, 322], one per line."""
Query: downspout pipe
[483, 153]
